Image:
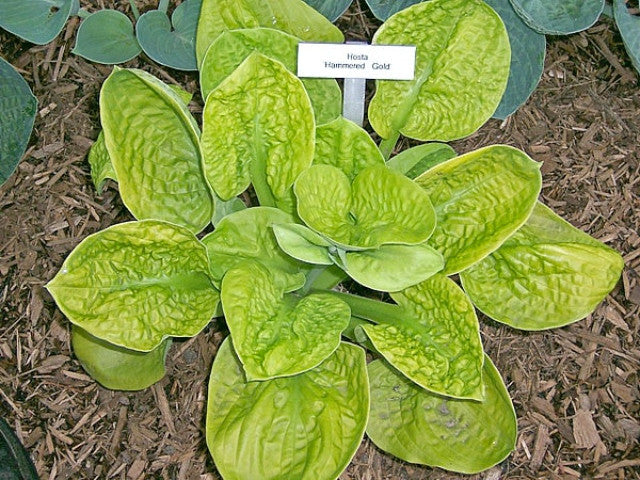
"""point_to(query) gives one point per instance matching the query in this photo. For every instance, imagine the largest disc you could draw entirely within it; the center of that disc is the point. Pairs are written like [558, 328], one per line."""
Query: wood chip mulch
[575, 389]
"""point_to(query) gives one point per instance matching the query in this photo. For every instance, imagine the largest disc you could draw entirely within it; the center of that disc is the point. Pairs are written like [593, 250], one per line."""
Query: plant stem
[82, 13]
[388, 144]
[370, 309]
[163, 6]
[134, 10]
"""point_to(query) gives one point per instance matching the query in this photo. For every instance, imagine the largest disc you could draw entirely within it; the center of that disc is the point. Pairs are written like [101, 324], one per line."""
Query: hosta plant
[326, 213]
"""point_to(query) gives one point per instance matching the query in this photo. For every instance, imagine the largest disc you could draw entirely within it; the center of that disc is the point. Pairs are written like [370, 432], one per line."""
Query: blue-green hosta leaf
[437, 345]
[345, 145]
[258, 128]
[528, 49]
[232, 47]
[559, 18]
[171, 42]
[36, 21]
[629, 27]
[302, 243]
[383, 9]
[135, 284]
[390, 268]
[291, 16]
[106, 36]
[380, 206]
[152, 140]
[101, 166]
[247, 235]
[420, 427]
[305, 427]
[18, 109]
[548, 274]
[274, 334]
[115, 367]
[480, 199]
[462, 66]
[414, 161]
[332, 9]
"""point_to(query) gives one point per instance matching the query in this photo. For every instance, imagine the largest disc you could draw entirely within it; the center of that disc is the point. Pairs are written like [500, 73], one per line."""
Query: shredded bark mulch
[575, 389]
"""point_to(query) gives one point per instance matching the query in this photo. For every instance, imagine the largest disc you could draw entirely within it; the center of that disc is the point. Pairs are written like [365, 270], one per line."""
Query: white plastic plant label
[380, 62]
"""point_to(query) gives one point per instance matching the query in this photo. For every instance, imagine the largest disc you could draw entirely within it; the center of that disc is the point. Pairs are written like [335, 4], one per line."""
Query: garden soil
[575, 389]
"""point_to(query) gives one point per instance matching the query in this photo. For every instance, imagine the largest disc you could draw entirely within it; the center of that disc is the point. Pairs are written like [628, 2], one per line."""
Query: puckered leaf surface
[437, 344]
[275, 334]
[135, 284]
[152, 141]
[480, 199]
[118, 368]
[101, 166]
[258, 128]
[305, 427]
[559, 18]
[462, 66]
[380, 206]
[345, 145]
[420, 427]
[291, 16]
[18, 107]
[247, 235]
[232, 47]
[548, 274]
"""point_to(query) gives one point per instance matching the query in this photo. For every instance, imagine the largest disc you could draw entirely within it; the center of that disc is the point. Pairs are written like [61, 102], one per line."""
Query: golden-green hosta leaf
[305, 427]
[417, 426]
[291, 16]
[135, 284]
[101, 166]
[462, 66]
[118, 368]
[152, 141]
[548, 274]
[232, 47]
[414, 161]
[437, 343]
[258, 128]
[275, 334]
[347, 146]
[380, 206]
[392, 267]
[247, 235]
[303, 243]
[480, 198]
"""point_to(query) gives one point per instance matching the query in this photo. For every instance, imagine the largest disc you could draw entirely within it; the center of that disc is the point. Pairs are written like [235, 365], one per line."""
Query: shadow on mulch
[575, 389]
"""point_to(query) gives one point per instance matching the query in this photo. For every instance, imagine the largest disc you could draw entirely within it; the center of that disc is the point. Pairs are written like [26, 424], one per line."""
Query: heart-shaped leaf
[559, 18]
[332, 9]
[629, 26]
[462, 66]
[135, 284]
[36, 21]
[380, 206]
[481, 198]
[106, 36]
[435, 339]
[258, 128]
[528, 49]
[118, 368]
[171, 42]
[548, 274]
[345, 145]
[152, 141]
[275, 334]
[414, 161]
[232, 47]
[307, 426]
[417, 426]
[18, 107]
[247, 235]
[291, 16]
